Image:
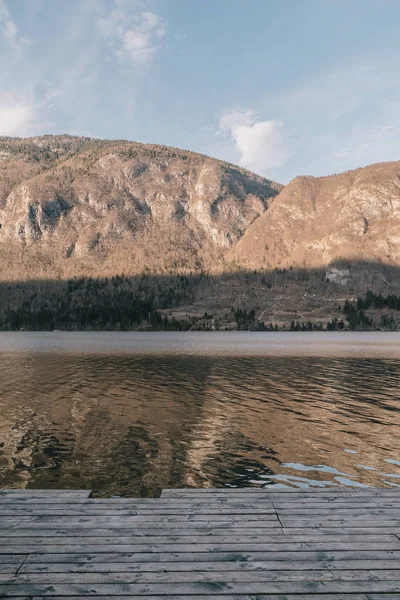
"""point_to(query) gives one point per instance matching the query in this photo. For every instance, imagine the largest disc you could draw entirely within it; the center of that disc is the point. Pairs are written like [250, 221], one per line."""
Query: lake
[132, 413]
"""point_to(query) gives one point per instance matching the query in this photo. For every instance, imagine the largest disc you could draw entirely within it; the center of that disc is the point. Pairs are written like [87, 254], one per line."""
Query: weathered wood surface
[246, 544]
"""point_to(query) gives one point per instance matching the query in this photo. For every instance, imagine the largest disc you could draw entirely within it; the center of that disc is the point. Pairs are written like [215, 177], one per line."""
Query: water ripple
[134, 422]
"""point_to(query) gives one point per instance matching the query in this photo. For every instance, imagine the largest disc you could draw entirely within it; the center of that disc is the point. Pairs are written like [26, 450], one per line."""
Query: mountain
[103, 234]
[315, 222]
[73, 206]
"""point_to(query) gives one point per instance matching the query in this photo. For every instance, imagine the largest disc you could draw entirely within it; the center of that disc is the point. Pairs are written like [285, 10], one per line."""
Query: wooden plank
[330, 520]
[19, 508]
[146, 519]
[238, 576]
[115, 544]
[9, 569]
[343, 524]
[75, 510]
[120, 529]
[144, 522]
[154, 536]
[120, 555]
[271, 535]
[307, 596]
[134, 503]
[139, 521]
[70, 508]
[266, 508]
[316, 502]
[333, 511]
[340, 530]
[11, 563]
[212, 589]
[21, 493]
[227, 566]
[5, 559]
[204, 541]
[298, 500]
[391, 510]
[332, 506]
[340, 522]
[133, 523]
[47, 504]
[71, 515]
[24, 499]
[83, 499]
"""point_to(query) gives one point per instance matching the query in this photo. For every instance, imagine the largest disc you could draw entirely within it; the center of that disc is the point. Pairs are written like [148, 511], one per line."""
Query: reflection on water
[132, 423]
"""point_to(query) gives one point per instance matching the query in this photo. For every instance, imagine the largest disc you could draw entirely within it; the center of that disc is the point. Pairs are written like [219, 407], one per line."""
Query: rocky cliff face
[76, 206]
[354, 216]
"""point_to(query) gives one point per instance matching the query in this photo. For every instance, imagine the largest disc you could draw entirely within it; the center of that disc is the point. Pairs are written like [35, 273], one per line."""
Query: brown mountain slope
[316, 221]
[76, 206]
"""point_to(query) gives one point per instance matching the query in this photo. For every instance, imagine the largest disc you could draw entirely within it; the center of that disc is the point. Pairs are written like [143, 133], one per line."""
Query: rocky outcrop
[72, 206]
[354, 216]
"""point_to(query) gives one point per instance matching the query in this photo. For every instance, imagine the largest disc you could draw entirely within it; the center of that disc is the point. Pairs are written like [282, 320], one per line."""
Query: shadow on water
[131, 424]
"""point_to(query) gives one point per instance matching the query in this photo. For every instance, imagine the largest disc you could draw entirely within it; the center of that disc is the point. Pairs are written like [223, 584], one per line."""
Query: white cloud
[259, 143]
[133, 35]
[15, 120]
[19, 117]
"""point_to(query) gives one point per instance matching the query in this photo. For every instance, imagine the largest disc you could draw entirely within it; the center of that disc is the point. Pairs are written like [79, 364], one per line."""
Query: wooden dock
[237, 544]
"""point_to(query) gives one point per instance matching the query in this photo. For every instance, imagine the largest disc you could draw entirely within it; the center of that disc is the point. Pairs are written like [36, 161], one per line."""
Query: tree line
[121, 303]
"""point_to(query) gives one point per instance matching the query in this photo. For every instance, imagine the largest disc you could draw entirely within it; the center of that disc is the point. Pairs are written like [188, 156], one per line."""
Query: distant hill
[73, 206]
[354, 216]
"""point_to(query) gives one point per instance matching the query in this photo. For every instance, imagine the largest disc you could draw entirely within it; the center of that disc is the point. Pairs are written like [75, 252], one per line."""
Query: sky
[281, 87]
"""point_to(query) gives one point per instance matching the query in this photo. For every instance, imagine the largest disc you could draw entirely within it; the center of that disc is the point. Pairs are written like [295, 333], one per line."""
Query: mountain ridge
[118, 234]
[105, 234]
[316, 221]
[73, 206]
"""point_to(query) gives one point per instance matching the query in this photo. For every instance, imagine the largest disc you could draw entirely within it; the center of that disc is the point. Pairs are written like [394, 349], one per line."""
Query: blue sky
[282, 87]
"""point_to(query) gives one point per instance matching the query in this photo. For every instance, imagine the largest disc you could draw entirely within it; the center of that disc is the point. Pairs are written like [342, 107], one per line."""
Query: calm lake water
[132, 413]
